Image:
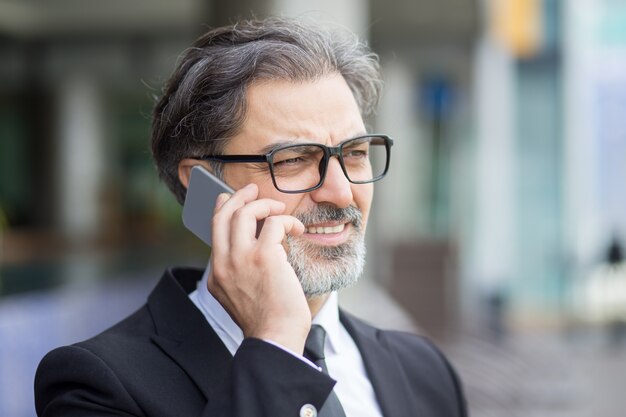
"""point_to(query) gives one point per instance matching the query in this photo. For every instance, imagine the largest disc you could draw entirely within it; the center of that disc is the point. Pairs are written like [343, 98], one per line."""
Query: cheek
[237, 176]
[363, 195]
[292, 201]
[233, 177]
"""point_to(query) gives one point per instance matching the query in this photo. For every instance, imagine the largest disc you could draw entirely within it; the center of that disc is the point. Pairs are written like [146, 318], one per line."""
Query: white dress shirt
[344, 361]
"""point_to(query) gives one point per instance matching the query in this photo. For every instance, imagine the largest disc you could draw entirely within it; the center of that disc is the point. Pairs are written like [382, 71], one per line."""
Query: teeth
[321, 230]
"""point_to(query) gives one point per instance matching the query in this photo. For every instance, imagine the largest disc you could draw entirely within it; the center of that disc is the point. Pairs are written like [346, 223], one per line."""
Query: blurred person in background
[259, 332]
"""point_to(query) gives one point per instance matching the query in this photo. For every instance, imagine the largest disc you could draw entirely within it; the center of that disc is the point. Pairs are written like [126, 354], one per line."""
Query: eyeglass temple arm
[235, 158]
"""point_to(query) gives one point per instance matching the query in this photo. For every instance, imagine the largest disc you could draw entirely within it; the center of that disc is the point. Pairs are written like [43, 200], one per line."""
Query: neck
[316, 303]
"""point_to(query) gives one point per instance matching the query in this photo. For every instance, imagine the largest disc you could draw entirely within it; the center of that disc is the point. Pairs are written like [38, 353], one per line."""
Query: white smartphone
[199, 206]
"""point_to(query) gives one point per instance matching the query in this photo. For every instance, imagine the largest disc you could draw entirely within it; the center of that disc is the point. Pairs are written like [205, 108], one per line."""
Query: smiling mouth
[326, 229]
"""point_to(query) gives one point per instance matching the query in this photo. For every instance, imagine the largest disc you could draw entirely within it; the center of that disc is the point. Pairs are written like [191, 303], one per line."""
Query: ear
[184, 169]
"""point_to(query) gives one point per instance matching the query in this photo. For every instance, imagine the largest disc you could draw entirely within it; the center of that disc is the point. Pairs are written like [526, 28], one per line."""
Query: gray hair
[204, 102]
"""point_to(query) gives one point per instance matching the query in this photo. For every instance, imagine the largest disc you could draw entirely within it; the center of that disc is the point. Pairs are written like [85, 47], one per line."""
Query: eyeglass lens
[299, 167]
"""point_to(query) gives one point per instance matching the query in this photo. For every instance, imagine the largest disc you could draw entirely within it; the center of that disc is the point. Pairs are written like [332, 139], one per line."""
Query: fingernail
[221, 199]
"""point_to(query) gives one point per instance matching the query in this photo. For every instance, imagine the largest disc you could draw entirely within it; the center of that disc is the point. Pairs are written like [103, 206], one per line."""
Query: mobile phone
[199, 206]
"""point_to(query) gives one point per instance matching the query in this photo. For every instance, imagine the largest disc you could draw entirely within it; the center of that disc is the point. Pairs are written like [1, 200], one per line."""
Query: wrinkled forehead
[321, 111]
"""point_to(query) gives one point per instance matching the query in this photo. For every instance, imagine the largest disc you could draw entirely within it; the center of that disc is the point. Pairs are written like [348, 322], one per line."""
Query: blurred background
[498, 232]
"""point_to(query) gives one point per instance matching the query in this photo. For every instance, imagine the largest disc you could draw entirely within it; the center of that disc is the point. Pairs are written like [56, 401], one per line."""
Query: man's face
[331, 252]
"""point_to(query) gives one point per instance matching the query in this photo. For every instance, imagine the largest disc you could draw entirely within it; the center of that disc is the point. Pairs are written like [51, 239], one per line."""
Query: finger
[223, 215]
[221, 199]
[244, 221]
[238, 198]
[276, 228]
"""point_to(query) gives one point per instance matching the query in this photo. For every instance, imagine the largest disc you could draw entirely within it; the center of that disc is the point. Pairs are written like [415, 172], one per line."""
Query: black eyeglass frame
[329, 151]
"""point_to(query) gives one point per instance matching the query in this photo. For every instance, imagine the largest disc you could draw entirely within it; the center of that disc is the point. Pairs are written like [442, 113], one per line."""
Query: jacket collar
[183, 333]
[383, 368]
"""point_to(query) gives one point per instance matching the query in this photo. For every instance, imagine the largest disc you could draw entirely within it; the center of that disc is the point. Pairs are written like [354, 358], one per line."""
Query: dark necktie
[314, 351]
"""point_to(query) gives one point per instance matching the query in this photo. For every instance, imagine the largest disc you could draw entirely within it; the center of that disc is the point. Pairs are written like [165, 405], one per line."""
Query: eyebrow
[273, 146]
[269, 148]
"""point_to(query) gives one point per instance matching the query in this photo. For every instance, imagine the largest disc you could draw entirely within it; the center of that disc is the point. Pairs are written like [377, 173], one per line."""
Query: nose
[336, 189]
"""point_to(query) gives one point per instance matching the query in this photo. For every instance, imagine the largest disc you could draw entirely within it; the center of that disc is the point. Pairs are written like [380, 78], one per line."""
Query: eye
[297, 157]
[355, 153]
[289, 161]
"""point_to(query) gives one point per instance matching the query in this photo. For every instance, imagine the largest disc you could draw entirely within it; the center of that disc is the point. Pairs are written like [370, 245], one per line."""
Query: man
[230, 341]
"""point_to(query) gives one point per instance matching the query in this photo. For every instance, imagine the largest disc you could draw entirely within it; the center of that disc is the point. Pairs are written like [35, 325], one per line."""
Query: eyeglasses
[300, 168]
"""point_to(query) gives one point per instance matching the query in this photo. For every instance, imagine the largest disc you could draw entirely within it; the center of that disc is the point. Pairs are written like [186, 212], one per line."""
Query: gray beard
[323, 269]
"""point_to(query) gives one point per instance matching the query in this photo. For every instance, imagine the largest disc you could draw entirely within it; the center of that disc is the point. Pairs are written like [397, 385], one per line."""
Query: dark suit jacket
[165, 360]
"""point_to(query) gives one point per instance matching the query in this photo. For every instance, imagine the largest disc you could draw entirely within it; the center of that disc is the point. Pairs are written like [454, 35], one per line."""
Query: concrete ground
[537, 373]
[543, 374]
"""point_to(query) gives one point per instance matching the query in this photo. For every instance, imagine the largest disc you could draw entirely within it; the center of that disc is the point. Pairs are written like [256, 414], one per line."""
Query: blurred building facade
[504, 194]
[506, 173]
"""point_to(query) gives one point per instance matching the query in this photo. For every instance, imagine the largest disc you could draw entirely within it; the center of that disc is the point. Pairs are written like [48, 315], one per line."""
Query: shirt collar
[217, 315]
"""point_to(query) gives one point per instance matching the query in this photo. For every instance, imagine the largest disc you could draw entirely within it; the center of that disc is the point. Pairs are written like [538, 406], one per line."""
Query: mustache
[323, 213]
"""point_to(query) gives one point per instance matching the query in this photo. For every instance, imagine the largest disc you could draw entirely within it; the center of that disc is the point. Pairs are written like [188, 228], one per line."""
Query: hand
[251, 276]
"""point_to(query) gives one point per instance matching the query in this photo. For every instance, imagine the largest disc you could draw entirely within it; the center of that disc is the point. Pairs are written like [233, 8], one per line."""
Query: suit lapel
[383, 369]
[184, 335]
